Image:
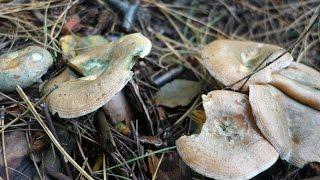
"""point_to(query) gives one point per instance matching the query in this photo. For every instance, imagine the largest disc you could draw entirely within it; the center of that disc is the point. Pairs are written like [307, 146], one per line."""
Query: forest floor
[178, 29]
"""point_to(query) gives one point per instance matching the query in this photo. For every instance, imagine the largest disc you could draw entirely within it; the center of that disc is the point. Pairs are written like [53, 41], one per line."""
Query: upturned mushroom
[23, 67]
[86, 94]
[229, 61]
[291, 127]
[300, 82]
[229, 145]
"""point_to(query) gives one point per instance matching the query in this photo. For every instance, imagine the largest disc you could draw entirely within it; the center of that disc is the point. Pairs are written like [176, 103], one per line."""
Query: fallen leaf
[178, 93]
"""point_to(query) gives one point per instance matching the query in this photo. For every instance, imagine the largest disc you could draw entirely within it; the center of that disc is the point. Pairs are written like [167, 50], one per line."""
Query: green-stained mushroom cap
[84, 95]
[23, 67]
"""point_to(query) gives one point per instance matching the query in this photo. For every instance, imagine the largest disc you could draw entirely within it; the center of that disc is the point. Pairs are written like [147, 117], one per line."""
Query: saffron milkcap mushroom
[229, 145]
[229, 61]
[84, 95]
[291, 127]
[23, 67]
[300, 82]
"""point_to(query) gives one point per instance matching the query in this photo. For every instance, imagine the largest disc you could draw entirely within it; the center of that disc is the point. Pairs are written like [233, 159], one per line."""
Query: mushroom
[229, 61]
[73, 45]
[300, 82]
[84, 95]
[23, 67]
[291, 127]
[229, 145]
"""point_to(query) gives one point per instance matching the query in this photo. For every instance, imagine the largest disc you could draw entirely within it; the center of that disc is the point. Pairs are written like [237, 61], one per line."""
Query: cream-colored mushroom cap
[64, 76]
[24, 67]
[300, 82]
[84, 95]
[229, 61]
[291, 127]
[229, 145]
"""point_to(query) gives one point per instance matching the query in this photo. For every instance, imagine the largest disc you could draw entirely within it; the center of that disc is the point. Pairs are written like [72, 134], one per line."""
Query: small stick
[168, 76]
[127, 10]
[103, 127]
[54, 132]
[26, 111]
[2, 113]
[136, 90]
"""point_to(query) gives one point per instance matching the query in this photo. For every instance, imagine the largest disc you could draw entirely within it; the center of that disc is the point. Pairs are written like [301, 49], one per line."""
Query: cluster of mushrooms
[244, 134]
[92, 79]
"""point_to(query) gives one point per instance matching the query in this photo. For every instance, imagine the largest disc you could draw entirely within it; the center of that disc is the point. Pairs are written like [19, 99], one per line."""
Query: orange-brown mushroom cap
[300, 82]
[229, 145]
[78, 97]
[291, 127]
[229, 61]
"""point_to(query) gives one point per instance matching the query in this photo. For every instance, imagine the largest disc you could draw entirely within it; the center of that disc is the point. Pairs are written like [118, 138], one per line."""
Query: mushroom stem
[304, 94]
[118, 109]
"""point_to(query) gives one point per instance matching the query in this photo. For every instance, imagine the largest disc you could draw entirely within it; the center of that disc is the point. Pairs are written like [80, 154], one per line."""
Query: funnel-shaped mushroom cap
[84, 95]
[23, 67]
[229, 61]
[300, 82]
[291, 127]
[229, 145]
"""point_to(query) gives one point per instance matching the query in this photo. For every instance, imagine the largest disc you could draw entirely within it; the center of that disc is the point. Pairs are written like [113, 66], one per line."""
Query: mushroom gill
[291, 127]
[229, 61]
[81, 96]
[229, 145]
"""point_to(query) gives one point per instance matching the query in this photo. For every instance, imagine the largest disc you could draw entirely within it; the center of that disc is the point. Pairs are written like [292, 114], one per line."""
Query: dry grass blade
[49, 133]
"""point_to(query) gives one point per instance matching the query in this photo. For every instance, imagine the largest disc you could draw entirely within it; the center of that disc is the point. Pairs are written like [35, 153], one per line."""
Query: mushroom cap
[300, 82]
[229, 61]
[85, 61]
[229, 145]
[64, 76]
[303, 74]
[291, 127]
[78, 97]
[73, 45]
[23, 67]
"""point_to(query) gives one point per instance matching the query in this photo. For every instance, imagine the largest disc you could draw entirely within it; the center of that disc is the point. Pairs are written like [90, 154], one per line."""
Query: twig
[127, 10]
[168, 76]
[136, 90]
[54, 132]
[26, 112]
[158, 166]
[2, 113]
[143, 156]
[193, 106]
[49, 133]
